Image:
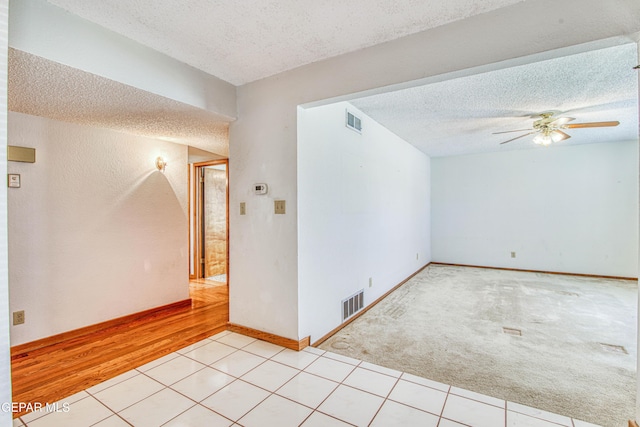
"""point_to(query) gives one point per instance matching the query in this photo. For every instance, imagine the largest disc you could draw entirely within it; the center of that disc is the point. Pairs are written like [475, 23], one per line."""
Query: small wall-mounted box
[260, 189]
[280, 207]
[14, 180]
[21, 154]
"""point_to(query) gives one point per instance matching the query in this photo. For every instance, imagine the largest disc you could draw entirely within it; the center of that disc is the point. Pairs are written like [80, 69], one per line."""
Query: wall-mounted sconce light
[161, 164]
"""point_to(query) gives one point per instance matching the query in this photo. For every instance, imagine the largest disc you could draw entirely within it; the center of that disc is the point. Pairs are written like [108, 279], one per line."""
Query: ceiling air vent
[354, 123]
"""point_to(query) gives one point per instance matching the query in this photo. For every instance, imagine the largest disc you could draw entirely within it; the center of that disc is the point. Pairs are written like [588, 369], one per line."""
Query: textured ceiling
[243, 41]
[41, 87]
[458, 116]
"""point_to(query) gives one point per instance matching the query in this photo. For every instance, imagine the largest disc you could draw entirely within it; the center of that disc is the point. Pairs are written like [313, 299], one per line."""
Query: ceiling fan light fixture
[542, 139]
[548, 136]
[548, 129]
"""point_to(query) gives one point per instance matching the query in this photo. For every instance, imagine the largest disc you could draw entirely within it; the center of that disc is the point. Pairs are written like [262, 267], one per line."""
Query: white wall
[570, 209]
[96, 231]
[5, 361]
[363, 212]
[263, 266]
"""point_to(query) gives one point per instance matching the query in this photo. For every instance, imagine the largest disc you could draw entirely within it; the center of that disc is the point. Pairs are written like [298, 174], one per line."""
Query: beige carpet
[576, 354]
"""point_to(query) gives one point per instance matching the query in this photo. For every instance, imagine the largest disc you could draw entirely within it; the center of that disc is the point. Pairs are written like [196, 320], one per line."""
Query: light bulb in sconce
[161, 164]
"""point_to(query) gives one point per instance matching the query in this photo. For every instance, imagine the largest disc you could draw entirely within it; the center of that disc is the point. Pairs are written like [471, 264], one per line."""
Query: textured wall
[570, 209]
[96, 231]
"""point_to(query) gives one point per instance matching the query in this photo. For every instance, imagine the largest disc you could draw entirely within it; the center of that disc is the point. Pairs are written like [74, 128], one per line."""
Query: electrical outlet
[18, 317]
[243, 208]
[280, 206]
[513, 254]
[417, 256]
[370, 281]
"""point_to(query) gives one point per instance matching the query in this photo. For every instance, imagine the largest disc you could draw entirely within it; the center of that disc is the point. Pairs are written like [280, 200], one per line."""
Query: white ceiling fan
[549, 128]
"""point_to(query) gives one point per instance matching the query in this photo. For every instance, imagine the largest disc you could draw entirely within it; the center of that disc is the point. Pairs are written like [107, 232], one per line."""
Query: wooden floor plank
[51, 373]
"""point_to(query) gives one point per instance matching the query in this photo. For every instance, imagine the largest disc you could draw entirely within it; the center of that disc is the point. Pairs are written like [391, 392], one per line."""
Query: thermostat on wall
[260, 188]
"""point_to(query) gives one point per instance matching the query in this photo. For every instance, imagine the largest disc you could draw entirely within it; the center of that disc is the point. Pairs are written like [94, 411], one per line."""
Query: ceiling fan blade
[561, 121]
[564, 135]
[592, 125]
[518, 137]
[508, 131]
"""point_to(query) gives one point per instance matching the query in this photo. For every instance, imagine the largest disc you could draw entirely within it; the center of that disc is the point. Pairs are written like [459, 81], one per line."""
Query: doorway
[209, 228]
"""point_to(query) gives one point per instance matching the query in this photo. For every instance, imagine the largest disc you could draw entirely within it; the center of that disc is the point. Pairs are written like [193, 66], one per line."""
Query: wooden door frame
[195, 217]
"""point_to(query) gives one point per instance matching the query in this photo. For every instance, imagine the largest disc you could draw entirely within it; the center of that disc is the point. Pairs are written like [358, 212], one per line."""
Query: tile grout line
[467, 398]
[112, 411]
[385, 400]
[320, 376]
[571, 420]
[480, 401]
[165, 387]
[299, 403]
[449, 388]
[89, 395]
[239, 378]
[443, 405]
[302, 370]
[207, 397]
[423, 385]
[544, 419]
[198, 403]
[353, 367]
[169, 387]
[271, 393]
[199, 361]
[332, 391]
[191, 407]
[358, 365]
[378, 372]
[134, 403]
[253, 407]
[376, 395]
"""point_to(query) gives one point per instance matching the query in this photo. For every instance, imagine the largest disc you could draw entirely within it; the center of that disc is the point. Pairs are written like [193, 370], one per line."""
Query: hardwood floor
[56, 371]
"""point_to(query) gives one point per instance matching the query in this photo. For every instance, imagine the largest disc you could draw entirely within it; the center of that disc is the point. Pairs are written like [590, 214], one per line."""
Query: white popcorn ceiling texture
[45, 88]
[243, 41]
[459, 116]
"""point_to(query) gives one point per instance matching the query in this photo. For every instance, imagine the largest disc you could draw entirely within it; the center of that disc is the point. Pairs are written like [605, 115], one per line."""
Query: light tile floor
[233, 380]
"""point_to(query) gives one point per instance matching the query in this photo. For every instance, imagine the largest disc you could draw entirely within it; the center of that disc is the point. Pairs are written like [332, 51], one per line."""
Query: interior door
[214, 222]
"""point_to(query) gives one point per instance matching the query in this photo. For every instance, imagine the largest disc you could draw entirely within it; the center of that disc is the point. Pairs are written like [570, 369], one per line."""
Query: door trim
[196, 216]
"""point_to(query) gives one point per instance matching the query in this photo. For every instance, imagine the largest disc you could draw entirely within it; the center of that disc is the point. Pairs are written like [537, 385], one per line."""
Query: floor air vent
[352, 305]
[614, 348]
[512, 331]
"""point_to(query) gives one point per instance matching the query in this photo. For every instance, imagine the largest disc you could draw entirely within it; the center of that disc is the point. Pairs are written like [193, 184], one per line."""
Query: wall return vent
[352, 305]
[353, 122]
